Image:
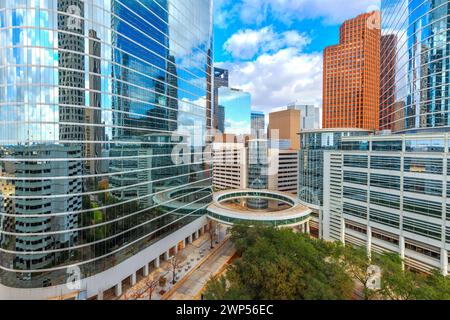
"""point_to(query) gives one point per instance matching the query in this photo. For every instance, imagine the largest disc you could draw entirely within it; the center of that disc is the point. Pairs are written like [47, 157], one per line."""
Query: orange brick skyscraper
[351, 76]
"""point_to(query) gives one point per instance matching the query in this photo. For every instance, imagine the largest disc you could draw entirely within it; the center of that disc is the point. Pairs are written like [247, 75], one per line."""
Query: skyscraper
[416, 69]
[258, 124]
[86, 137]
[220, 80]
[285, 124]
[351, 85]
[387, 81]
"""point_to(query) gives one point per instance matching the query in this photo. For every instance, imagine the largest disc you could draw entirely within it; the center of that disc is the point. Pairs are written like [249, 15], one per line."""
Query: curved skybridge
[230, 207]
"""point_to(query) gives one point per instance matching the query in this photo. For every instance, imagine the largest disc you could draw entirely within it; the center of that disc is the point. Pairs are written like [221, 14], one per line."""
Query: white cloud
[257, 11]
[245, 44]
[276, 79]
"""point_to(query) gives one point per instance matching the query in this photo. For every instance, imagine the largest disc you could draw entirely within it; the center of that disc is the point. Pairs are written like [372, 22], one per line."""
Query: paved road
[198, 279]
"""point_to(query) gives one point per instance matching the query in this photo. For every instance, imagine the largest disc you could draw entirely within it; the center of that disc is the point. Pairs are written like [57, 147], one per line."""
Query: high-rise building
[389, 193]
[89, 119]
[220, 116]
[309, 116]
[230, 166]
[220, 80]
[285, 175]
[387, 82]
[285, 125]
[258, 124]
[416, 70]
[351, 82]
[237, 106]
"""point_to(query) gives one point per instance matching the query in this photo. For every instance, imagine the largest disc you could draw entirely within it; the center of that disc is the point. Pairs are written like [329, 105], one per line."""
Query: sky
[273, 48]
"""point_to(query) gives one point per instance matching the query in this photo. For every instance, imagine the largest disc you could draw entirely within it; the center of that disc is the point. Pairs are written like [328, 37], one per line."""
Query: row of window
[415, 165]
[424, 145]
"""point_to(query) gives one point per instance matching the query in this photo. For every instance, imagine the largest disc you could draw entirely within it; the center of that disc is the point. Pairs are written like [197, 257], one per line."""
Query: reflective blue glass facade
[415, 82]
[95, 98]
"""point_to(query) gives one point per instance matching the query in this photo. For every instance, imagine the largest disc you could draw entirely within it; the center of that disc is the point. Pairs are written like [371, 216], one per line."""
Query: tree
[281, 265]
[218, 289]
[150, 285]
[398, 283]
[175, 263]
[435, 287]
[356, 262]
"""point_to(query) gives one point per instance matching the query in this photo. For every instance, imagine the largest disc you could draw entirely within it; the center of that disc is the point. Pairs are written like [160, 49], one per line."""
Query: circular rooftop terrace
[293, 213]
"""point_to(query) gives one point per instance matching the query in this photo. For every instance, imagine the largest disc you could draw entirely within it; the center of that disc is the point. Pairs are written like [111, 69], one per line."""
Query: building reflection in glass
[414, 83]
[94, 97]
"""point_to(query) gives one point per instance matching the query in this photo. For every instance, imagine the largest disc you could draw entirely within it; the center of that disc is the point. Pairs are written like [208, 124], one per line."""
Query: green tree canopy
[280, 265]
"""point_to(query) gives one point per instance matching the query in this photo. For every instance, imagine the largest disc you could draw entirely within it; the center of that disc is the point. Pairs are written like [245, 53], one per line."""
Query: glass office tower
[416, 54]
[237, 106]
[95, 96]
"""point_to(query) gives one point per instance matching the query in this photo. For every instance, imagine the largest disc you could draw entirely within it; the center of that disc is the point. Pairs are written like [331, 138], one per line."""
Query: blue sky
[273, 48]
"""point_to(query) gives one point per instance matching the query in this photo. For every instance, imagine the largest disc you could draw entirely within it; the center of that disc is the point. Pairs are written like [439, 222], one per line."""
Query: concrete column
[444, 262]
[100, 294]
[190, 239]
[343, 230]
[175, 249]
[133, 279]
[308, 230]
[196, 235]
[118, 289]
[302, 228]
[369, 241]
[146, 270]
[401, 244]
[167, 255]
[157, 262]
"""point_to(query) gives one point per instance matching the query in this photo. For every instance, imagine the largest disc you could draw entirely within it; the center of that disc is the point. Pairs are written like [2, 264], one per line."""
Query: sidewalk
[190, 288]
[192, 256]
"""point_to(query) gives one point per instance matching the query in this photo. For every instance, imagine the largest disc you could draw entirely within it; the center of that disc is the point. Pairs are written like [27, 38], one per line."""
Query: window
[355, 161]
[355, 194]
[385, 163]
[423, 165]
[423, 186]
[385, 218]
[355, 177]
[362, 145]
[385, 200]
[355, 210]
[422, 207]
[387, 145]
[430, 145]
[385, 181]
[426, 229]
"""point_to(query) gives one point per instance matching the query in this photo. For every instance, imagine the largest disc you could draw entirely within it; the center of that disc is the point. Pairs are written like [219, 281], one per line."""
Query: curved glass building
[415, 86]
[99, 100]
